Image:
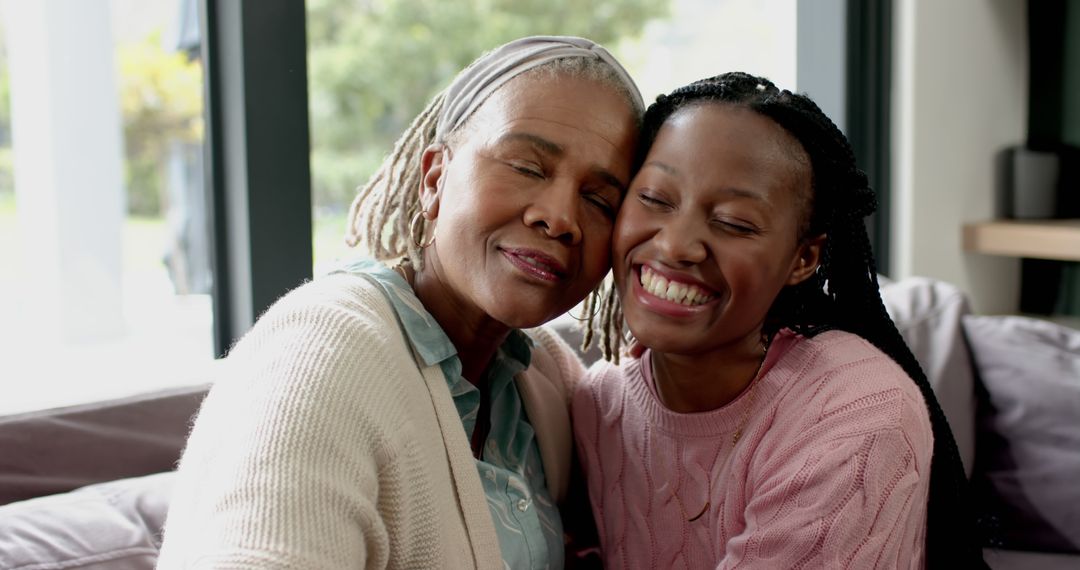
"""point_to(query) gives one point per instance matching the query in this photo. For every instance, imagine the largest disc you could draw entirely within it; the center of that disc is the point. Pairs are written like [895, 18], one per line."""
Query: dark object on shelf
[1037, 183]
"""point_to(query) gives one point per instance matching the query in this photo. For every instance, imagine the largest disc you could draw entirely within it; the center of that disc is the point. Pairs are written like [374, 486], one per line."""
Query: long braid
[844, 292]
[392, 196]
[857, 307]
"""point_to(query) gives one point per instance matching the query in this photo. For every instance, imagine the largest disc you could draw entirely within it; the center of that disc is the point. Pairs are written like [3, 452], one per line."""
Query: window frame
[257, 146]
[258, 173]
[845, 65]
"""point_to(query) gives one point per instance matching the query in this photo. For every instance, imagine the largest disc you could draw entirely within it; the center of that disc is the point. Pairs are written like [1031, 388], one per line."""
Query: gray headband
[478, 81]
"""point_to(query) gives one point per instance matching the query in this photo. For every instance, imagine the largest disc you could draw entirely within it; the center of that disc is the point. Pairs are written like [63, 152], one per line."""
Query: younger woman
[776, 418]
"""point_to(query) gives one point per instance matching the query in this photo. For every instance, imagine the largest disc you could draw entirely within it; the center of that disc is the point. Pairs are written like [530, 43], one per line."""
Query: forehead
[561, 106]
[725, 145]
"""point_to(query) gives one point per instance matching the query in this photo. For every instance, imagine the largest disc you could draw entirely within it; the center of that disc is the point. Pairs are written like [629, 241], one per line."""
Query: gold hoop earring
[595, 308]
[416, 220]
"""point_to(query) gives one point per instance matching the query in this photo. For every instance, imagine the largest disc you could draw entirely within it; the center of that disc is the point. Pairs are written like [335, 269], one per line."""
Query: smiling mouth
[673, 291]
[536, 264]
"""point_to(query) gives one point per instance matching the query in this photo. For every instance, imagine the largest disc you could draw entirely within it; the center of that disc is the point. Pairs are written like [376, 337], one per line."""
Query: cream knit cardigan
[323, 445]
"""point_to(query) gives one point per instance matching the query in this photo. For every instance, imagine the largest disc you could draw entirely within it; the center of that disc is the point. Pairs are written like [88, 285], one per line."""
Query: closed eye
[601, 203]
[527, 170]
[737, 228]
[652, 201]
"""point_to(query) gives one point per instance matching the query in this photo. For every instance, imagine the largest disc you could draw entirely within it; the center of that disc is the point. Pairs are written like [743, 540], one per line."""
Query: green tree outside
[374, 64]
[161, 101]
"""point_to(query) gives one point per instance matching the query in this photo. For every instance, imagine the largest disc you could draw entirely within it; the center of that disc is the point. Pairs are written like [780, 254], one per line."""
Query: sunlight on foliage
[374, 64]
[161, 100]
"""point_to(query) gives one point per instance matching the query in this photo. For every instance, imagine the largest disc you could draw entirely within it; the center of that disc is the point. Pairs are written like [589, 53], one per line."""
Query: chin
[668, 335]
[522, 318]
[532, 307]
[668, 344]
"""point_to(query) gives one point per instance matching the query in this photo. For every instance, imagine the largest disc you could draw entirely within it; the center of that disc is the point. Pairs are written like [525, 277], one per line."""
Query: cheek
[464, 211]
[597, 253]
[630, 231]
[594, 256]
[754, 275]
[459, 197]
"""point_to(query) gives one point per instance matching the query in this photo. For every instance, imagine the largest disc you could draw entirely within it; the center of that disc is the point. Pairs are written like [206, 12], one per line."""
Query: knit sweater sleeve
[598, 394]
[841, 479]
[291, 461]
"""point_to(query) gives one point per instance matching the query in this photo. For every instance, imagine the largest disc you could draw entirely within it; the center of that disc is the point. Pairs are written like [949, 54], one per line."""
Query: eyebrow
[730, 190]
[611, 179]
[667, 168]
[542, 144]
[554, 149]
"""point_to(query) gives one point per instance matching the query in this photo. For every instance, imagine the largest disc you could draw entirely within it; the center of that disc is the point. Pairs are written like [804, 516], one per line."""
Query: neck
[474, 334]
[704, 382]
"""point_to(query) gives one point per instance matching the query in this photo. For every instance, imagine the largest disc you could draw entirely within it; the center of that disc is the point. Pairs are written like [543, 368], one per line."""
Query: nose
[555, 211]
[680, 241]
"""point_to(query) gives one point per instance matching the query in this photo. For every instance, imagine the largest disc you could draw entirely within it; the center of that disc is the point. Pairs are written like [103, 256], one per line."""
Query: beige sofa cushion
[108, 526]
[929, 315]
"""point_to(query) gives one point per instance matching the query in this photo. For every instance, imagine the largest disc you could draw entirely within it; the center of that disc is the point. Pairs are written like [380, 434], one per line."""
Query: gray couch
[1010, 387]
[87, 487]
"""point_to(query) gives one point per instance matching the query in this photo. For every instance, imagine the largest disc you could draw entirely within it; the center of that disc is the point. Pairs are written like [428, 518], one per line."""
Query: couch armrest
[54, 451]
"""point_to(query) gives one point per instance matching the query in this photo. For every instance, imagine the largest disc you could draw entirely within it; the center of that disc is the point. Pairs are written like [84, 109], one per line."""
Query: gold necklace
[734, 437]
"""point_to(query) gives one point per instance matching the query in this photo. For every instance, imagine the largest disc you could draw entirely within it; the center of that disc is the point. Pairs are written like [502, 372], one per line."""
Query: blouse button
[523, 505]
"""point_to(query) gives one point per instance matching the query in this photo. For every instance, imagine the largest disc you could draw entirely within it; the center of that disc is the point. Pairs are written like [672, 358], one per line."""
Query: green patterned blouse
[525, 516]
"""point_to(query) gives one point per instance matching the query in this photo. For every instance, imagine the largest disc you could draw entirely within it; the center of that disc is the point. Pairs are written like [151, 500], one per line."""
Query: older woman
[398, 417]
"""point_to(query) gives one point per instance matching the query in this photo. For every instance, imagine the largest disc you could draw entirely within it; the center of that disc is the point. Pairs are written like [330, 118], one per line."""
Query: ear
[432, 172]
[806, 260]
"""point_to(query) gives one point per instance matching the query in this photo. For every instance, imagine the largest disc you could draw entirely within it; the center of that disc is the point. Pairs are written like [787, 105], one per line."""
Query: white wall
[959, 96]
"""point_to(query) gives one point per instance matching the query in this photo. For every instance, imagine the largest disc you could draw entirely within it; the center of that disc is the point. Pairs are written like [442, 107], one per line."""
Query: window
[373, 66]
[97, 297]
[106, 276]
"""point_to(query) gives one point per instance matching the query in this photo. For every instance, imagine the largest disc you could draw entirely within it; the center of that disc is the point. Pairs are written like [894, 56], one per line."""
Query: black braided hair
[843, 293]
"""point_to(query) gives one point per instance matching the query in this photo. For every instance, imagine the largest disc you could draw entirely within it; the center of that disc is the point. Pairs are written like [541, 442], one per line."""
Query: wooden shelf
[1039, 239]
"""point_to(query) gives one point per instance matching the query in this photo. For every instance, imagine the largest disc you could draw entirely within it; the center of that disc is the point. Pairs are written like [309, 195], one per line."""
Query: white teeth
[536, 263]
[680, 293]
[673, 291]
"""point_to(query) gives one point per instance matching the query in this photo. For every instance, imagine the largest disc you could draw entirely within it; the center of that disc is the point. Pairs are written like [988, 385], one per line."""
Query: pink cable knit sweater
[831, 470]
